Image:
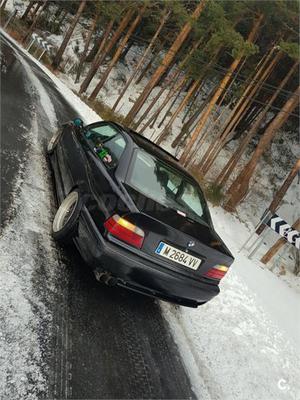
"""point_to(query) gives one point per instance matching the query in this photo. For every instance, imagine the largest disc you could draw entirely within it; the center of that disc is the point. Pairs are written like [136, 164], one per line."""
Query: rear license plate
[178, 256]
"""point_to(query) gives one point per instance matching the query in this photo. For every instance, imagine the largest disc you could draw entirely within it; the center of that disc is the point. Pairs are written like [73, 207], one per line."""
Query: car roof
[153, 149]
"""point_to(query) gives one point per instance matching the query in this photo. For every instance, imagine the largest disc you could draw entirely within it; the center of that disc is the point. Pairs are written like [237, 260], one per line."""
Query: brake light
[217, 272]
[125, 231]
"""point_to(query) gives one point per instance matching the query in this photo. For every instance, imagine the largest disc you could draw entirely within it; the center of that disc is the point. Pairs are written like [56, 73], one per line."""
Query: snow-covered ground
[245, 343]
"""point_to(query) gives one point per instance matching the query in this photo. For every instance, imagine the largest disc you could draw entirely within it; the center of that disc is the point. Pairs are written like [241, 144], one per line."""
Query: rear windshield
[167, 186]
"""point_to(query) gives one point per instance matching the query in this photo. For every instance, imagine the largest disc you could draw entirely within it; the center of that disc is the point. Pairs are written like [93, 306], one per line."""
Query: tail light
[217, 272]
[125, 231]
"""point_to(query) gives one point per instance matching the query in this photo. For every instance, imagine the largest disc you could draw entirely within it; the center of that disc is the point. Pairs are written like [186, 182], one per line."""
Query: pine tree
[177, 87]
[86, 47]
[28, 9]
[240, 186]
[233, 161]
[185, 100]
[34, 22]
[224, 82]
[143, 58]
[61, 50]
[241, 107]
[118, 53]
[165, 64]
[173, 88]
[108, 46]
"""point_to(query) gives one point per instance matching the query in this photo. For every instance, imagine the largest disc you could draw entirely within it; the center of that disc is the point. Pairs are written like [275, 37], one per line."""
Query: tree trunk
[61, 20]
[208, 129]
[28, 8]
[108, 46]
[149, 65]
[99, 55]
[186, 129]
[154, 101]
[168, 109]
[231, 164]
[192, 102]
[94, 50]
[277, 246]
[164, 65]
[3, 5]
[192, 89]
[281, 192]
[86, 47]
[34, 22]
[218, 93]
[239, 187]
[177, 87]
[143, 58]
[36, 9]
[150, 107]
[169, 95]
[117, 54]
[185, 100]
[61, 50]
[238, 111]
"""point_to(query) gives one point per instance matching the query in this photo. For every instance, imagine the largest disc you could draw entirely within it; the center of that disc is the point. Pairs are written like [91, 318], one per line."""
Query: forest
[229, 70]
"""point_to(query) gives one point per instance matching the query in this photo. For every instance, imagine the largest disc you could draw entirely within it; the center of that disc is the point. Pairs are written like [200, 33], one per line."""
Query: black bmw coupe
[138, 219]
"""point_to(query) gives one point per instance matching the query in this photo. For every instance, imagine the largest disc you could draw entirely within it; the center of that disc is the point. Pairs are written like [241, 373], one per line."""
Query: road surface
[104, 342]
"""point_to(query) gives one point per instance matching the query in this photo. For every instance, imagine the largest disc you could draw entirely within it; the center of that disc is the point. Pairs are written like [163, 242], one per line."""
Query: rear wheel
[65, 223]
[53, 141]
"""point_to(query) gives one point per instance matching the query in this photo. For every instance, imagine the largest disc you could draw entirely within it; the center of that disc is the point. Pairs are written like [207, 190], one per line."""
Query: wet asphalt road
[107, 342]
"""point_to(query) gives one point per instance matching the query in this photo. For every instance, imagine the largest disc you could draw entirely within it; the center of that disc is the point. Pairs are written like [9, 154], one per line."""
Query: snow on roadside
[28, 262]
[231, 345]
[23, 315]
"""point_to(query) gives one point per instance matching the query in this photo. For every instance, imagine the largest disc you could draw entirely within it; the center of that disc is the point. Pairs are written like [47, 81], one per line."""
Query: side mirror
[78, 122]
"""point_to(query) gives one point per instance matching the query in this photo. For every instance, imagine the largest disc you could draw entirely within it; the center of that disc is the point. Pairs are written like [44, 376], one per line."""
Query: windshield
[167, 186]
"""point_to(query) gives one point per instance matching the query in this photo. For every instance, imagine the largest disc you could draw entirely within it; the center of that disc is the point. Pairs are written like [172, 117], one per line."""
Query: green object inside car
[102, 152]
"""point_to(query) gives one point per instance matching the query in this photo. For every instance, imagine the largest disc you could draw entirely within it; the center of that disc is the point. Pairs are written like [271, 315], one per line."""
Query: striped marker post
[278, 225]
[285, 230]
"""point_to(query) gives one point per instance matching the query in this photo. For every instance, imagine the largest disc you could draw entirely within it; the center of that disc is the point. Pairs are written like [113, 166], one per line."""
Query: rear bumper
[135, 272]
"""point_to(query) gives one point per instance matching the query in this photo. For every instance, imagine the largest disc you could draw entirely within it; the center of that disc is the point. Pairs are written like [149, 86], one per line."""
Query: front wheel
[65, 223]
[53, 141]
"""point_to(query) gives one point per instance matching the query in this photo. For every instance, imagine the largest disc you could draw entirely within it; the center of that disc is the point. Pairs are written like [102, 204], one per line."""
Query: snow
[244, 344]
[22, 312]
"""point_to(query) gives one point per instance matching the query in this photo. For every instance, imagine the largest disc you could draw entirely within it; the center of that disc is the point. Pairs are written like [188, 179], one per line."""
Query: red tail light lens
[125, 231]
[217, 272]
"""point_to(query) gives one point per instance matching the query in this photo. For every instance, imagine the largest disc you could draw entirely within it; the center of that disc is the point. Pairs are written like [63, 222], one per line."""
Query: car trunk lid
[164, 225]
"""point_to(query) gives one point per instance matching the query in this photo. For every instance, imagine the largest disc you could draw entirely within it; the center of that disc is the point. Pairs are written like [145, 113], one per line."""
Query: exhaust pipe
[105, 277]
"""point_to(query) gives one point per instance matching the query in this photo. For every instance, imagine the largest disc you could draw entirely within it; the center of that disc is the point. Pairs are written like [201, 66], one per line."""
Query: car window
[101, 132]
[190, 198]
[108, 151]
[115, 147]
[167, 186]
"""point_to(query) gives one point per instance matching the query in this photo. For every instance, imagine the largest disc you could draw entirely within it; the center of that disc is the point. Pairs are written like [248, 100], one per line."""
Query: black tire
[53, 141]
[65, 227]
